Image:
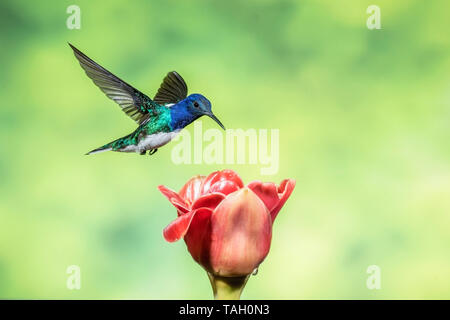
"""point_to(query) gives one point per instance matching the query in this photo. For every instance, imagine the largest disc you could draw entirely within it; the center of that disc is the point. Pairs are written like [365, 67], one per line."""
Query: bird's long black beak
[212, 116]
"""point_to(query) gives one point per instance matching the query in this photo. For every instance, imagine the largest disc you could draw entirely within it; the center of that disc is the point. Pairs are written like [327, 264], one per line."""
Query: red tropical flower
[227, 226]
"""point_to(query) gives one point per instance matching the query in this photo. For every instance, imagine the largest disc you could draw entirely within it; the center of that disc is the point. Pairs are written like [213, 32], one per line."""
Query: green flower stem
[227, 288]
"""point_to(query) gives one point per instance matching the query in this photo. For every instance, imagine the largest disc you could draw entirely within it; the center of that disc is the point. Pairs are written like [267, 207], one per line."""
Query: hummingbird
[159, 119]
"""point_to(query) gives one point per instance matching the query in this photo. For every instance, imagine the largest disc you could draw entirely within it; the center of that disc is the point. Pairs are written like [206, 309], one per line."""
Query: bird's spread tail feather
[98, 150]
[114, 146]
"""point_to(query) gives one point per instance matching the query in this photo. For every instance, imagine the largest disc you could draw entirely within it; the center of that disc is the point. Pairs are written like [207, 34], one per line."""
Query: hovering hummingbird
[159, 119]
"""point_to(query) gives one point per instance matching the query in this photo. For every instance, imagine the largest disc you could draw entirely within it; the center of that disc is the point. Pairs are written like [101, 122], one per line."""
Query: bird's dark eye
[196, 104]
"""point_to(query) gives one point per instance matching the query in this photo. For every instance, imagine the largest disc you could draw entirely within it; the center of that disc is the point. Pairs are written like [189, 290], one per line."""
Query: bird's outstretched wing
[172, 89]
[133, 102]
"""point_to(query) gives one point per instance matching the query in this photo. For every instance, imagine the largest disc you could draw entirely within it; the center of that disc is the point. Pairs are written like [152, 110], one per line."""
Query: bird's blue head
[197, 105]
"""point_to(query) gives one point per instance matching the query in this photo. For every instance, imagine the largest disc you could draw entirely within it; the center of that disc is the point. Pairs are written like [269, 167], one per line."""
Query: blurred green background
[364, 129]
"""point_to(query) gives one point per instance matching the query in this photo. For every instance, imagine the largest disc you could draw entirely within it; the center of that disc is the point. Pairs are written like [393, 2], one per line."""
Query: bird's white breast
[156, 140]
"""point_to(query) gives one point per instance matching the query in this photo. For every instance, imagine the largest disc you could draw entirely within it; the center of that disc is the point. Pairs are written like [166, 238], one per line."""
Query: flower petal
[175, 199]
[178, 228]
[284, 191]
[241, 232]
[198, 237]
[267, 192]
[224, 186]
[224, 175]
[191, 190]
[210, 200]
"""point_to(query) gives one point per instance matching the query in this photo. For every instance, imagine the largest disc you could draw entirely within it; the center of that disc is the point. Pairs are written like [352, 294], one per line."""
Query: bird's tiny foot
[152, 152]
[143, 152]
